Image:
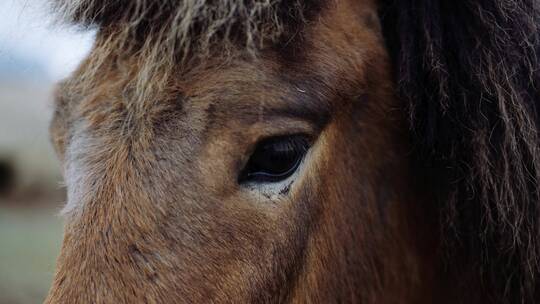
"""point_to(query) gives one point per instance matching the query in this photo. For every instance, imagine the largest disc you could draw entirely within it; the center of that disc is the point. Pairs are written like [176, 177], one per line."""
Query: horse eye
[275, 159]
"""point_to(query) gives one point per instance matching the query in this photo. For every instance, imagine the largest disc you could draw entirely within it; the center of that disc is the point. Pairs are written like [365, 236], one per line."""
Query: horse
[304, 151]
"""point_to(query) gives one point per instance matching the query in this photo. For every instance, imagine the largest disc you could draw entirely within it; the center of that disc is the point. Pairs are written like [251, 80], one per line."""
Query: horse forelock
[185, 21]
[164, 34]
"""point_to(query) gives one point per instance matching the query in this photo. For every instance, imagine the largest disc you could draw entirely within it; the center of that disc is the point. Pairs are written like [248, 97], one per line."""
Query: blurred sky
[31, 42]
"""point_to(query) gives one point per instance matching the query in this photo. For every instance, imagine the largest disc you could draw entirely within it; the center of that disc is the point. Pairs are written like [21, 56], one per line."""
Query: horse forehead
[220, 87]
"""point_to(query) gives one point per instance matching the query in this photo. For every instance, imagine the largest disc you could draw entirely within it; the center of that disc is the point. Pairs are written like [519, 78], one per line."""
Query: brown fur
[153, 136]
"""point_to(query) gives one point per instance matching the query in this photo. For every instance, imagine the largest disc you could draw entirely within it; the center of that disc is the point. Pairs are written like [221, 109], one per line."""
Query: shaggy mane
[164, 33]
[470, 74]
[185, 22]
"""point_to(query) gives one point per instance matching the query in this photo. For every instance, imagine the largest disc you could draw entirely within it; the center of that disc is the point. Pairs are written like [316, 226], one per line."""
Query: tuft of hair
[163, 33]
[470, 75]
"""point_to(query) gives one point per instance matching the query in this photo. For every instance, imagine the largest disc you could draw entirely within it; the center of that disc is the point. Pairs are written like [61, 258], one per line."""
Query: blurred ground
[30, 193]
[30, 239]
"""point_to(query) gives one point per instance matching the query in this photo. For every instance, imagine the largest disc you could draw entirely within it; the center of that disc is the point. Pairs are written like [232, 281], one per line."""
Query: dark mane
[470, 75]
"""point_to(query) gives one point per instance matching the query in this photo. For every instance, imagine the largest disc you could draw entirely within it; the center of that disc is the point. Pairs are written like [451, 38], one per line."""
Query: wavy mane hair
[469, 74]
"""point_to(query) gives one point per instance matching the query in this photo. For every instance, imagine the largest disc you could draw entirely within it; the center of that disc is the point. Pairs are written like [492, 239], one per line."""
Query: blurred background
[34, 54]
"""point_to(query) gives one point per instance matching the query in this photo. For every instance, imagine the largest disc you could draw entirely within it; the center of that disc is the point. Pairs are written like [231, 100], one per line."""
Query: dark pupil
[275, 159]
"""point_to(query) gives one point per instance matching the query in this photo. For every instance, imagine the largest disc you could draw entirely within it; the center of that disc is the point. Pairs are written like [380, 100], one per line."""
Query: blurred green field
[30, 240]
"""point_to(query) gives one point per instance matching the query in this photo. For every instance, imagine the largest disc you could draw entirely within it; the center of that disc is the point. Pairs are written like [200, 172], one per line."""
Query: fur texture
[467, 73]
[156, 212]
[470, 74]
[165, 34]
